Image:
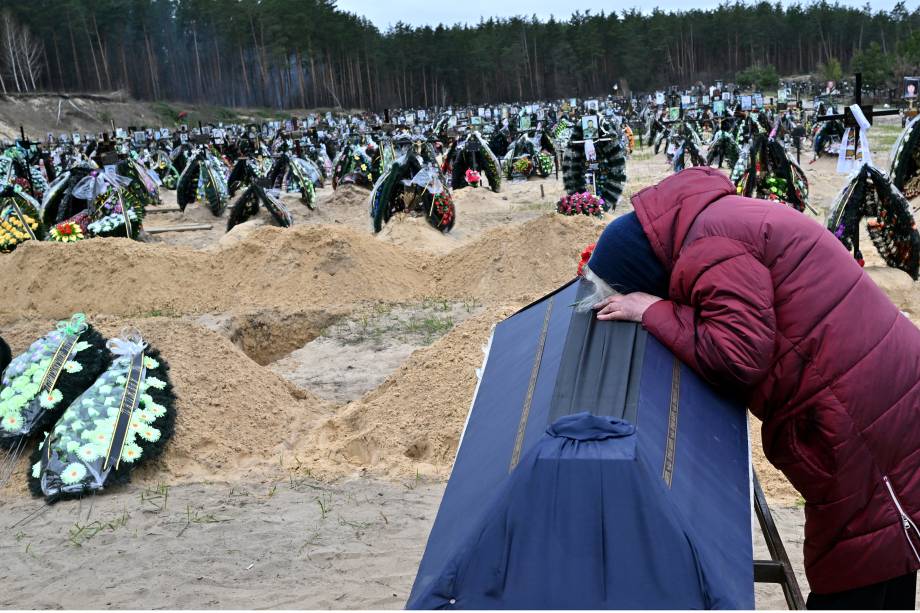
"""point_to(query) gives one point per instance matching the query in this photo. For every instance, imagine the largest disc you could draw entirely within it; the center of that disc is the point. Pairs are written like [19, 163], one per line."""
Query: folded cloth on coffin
[595, 471]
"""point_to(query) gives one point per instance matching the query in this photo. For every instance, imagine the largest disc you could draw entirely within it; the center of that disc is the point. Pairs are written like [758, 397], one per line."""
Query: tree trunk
[199, 88]
[151, 67]
[10, 41]
[74, 56]
[300, 83]
[246, 87]
[57, 57]
[102, 53]
[92, 53]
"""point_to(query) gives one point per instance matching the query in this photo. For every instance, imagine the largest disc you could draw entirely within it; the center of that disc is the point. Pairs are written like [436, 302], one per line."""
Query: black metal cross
[847, 116]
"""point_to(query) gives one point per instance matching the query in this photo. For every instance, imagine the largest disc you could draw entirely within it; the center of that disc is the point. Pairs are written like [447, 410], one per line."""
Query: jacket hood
[668, 210]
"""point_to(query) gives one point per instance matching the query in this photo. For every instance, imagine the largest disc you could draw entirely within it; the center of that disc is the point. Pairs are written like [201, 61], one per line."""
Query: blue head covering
[623, 258]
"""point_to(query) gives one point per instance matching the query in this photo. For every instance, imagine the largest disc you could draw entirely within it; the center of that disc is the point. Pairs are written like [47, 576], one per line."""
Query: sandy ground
[323, 376]
[294, 543]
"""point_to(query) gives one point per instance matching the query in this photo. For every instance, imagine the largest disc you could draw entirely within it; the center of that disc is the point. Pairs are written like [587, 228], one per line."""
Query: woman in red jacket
[765, 303]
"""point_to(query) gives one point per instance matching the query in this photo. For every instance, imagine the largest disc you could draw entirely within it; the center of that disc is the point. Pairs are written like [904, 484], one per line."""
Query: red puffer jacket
[767, 303]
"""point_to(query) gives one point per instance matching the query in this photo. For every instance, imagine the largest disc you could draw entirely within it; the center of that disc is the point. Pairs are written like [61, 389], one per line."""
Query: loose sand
[323, 376]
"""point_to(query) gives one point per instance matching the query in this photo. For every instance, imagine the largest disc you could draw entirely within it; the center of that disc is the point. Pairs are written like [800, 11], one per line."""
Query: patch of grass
[325, 505]
[165, 312]
[407, 322]
[81, 533]
[411, 485]
[357, 525]
[429, 326]
[235, 493]
[154, 499]
[165, 112]
[383, 308]
[883, 137]
[471, 304]
[194, 516]
[267, 113]
[313, 540]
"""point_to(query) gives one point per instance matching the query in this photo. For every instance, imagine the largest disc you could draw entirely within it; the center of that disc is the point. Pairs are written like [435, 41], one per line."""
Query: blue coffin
[595, 471]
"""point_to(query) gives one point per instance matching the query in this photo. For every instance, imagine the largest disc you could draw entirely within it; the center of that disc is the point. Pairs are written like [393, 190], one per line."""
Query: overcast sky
[384, 13]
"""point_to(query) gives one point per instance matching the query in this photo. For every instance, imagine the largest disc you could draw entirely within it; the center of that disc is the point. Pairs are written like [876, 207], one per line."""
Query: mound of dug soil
[348, 195]
[518, 263]
[272, 267]
[417, 233]
[411, 424]
[235, 419]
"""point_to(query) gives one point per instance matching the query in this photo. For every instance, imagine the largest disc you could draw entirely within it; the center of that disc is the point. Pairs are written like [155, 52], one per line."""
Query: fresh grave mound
[417, 233]
[349, 195]
[519, 263]
[108, 275]
[514, 194]
[320, 265]
[411, 424]
[234, 419]
[314, 265]
[233, 416]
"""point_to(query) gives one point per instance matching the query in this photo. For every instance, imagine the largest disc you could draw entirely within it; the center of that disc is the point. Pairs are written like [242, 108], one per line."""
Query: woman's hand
[627, 307]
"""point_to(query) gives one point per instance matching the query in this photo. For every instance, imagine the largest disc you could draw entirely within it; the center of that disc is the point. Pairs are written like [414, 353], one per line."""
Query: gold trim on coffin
[528, 399]
[667, 471]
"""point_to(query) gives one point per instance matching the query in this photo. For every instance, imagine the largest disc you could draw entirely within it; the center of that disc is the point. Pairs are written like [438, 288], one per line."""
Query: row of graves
[411, 161]
[71, 187]
[760, 141]
[87, 410]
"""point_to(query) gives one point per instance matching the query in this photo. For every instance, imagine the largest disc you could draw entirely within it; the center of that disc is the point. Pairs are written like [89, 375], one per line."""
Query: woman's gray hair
[601, 291]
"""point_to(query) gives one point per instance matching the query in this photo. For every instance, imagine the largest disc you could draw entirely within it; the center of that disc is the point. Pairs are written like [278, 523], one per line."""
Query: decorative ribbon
[129, 403]
[70, 331]
[861, 153]
[97, 183]
[148, 176]
[590, 153]
[75, 325]
[128, 344]
[427, 178]
[124, 213]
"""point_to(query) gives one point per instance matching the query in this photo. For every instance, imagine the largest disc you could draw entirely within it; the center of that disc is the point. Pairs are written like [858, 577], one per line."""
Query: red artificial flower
[585, 256]
[65, 228]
